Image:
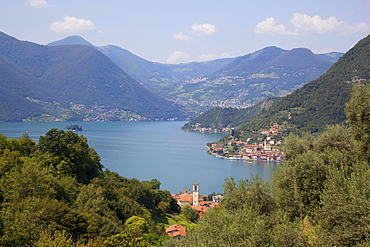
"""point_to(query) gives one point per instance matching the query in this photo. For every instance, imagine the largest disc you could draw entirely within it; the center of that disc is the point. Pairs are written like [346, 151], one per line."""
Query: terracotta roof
[186, 198]
[176, 230]
[200, 209]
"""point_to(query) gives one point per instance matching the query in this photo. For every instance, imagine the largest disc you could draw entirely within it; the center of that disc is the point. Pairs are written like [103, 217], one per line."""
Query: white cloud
[203, 29]
[225, 55]
[270, 27]
[177, 56]
[307, 24]
[323, 51]
[315, 24]
[303, 23]
[40, 4]
[207, 57]
[72, 25]
[181, 36]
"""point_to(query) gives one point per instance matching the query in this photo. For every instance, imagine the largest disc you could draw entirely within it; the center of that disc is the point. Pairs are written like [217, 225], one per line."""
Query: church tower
[195, 194]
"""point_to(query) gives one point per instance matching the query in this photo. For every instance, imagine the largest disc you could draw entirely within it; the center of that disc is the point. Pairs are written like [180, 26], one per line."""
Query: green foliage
[345, 215]
[189, 213]
[54, 193]
[71, 154]
[358, 115]
[55, 239]
[300, 181]
[320, 194]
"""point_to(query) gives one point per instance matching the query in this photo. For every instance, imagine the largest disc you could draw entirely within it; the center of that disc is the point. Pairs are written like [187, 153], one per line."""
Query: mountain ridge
[188, 83]
[77, 74]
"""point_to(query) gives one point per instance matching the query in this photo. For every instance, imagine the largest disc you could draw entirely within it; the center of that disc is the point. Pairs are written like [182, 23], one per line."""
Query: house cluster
[197, 202]
[101, 114]
[260, 152]
[263, 151]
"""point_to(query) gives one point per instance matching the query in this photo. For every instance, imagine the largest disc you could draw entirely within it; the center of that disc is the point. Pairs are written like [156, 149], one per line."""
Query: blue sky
[175, 31]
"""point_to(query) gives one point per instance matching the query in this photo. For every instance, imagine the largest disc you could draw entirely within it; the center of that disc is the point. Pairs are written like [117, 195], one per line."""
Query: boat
[74, 127]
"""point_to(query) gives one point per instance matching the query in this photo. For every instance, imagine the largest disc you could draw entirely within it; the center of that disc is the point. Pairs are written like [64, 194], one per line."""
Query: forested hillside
[216, 119]
[55, 193]
[62, 80]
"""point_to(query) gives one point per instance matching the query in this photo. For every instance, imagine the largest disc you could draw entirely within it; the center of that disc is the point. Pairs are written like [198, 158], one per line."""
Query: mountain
[270, 72]
[322, 101]
[158, 77]
[71, 40]
[235, 82]
[69, 81]
[331, 56]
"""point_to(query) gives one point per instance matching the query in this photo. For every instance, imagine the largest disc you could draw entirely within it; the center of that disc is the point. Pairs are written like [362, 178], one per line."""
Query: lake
[161, 150]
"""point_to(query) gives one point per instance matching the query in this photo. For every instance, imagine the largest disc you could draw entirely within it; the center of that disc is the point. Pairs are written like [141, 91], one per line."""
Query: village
[197, 202]
[259, 149]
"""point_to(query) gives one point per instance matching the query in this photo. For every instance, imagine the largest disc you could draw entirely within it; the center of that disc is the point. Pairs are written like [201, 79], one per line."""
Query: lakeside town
[245, 151]
[253, 149]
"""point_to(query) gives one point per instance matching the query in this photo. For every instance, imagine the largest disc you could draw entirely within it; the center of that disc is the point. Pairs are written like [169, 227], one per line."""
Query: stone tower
[195, 194]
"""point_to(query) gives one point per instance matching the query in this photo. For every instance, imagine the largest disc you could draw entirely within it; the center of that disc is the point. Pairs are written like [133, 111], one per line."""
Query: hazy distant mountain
[71, 40]
[158, 77]
[270, 72]
[54, 79]
[331, 56]
[245, 80]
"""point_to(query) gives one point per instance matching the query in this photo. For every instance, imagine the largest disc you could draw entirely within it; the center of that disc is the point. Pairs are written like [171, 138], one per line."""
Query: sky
[180, 31]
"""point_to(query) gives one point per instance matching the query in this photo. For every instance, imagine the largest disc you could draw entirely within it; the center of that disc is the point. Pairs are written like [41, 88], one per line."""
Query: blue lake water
[161, 150]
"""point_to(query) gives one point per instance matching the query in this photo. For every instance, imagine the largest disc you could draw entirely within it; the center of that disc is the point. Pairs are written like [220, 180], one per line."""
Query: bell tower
[195, 194]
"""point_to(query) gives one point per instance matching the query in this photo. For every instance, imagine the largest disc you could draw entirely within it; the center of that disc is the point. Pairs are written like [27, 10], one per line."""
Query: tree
[55, 239]
[133, 234]
[71, 154]
[253, 194]
[358, 117]
[345, 215]
[189, 213]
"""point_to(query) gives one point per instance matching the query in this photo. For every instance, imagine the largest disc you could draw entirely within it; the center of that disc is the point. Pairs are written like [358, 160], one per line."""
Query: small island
[74, 127]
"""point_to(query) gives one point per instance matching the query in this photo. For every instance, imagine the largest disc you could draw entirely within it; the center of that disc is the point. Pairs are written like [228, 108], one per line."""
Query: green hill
[320, 102]
[219, 118]
[60, 77]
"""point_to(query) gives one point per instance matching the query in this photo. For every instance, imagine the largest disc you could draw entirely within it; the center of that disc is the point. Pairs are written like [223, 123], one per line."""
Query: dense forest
[55, 193]
[320, 196]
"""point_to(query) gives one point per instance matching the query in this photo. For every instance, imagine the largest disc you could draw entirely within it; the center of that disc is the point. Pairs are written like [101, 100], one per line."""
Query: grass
[169, 219]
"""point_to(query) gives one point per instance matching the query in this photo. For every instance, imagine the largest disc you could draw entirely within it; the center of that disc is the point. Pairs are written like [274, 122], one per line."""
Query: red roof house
[176, 231]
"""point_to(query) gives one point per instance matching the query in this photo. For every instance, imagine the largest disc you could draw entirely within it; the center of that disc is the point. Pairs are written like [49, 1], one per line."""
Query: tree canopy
[54, 192]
